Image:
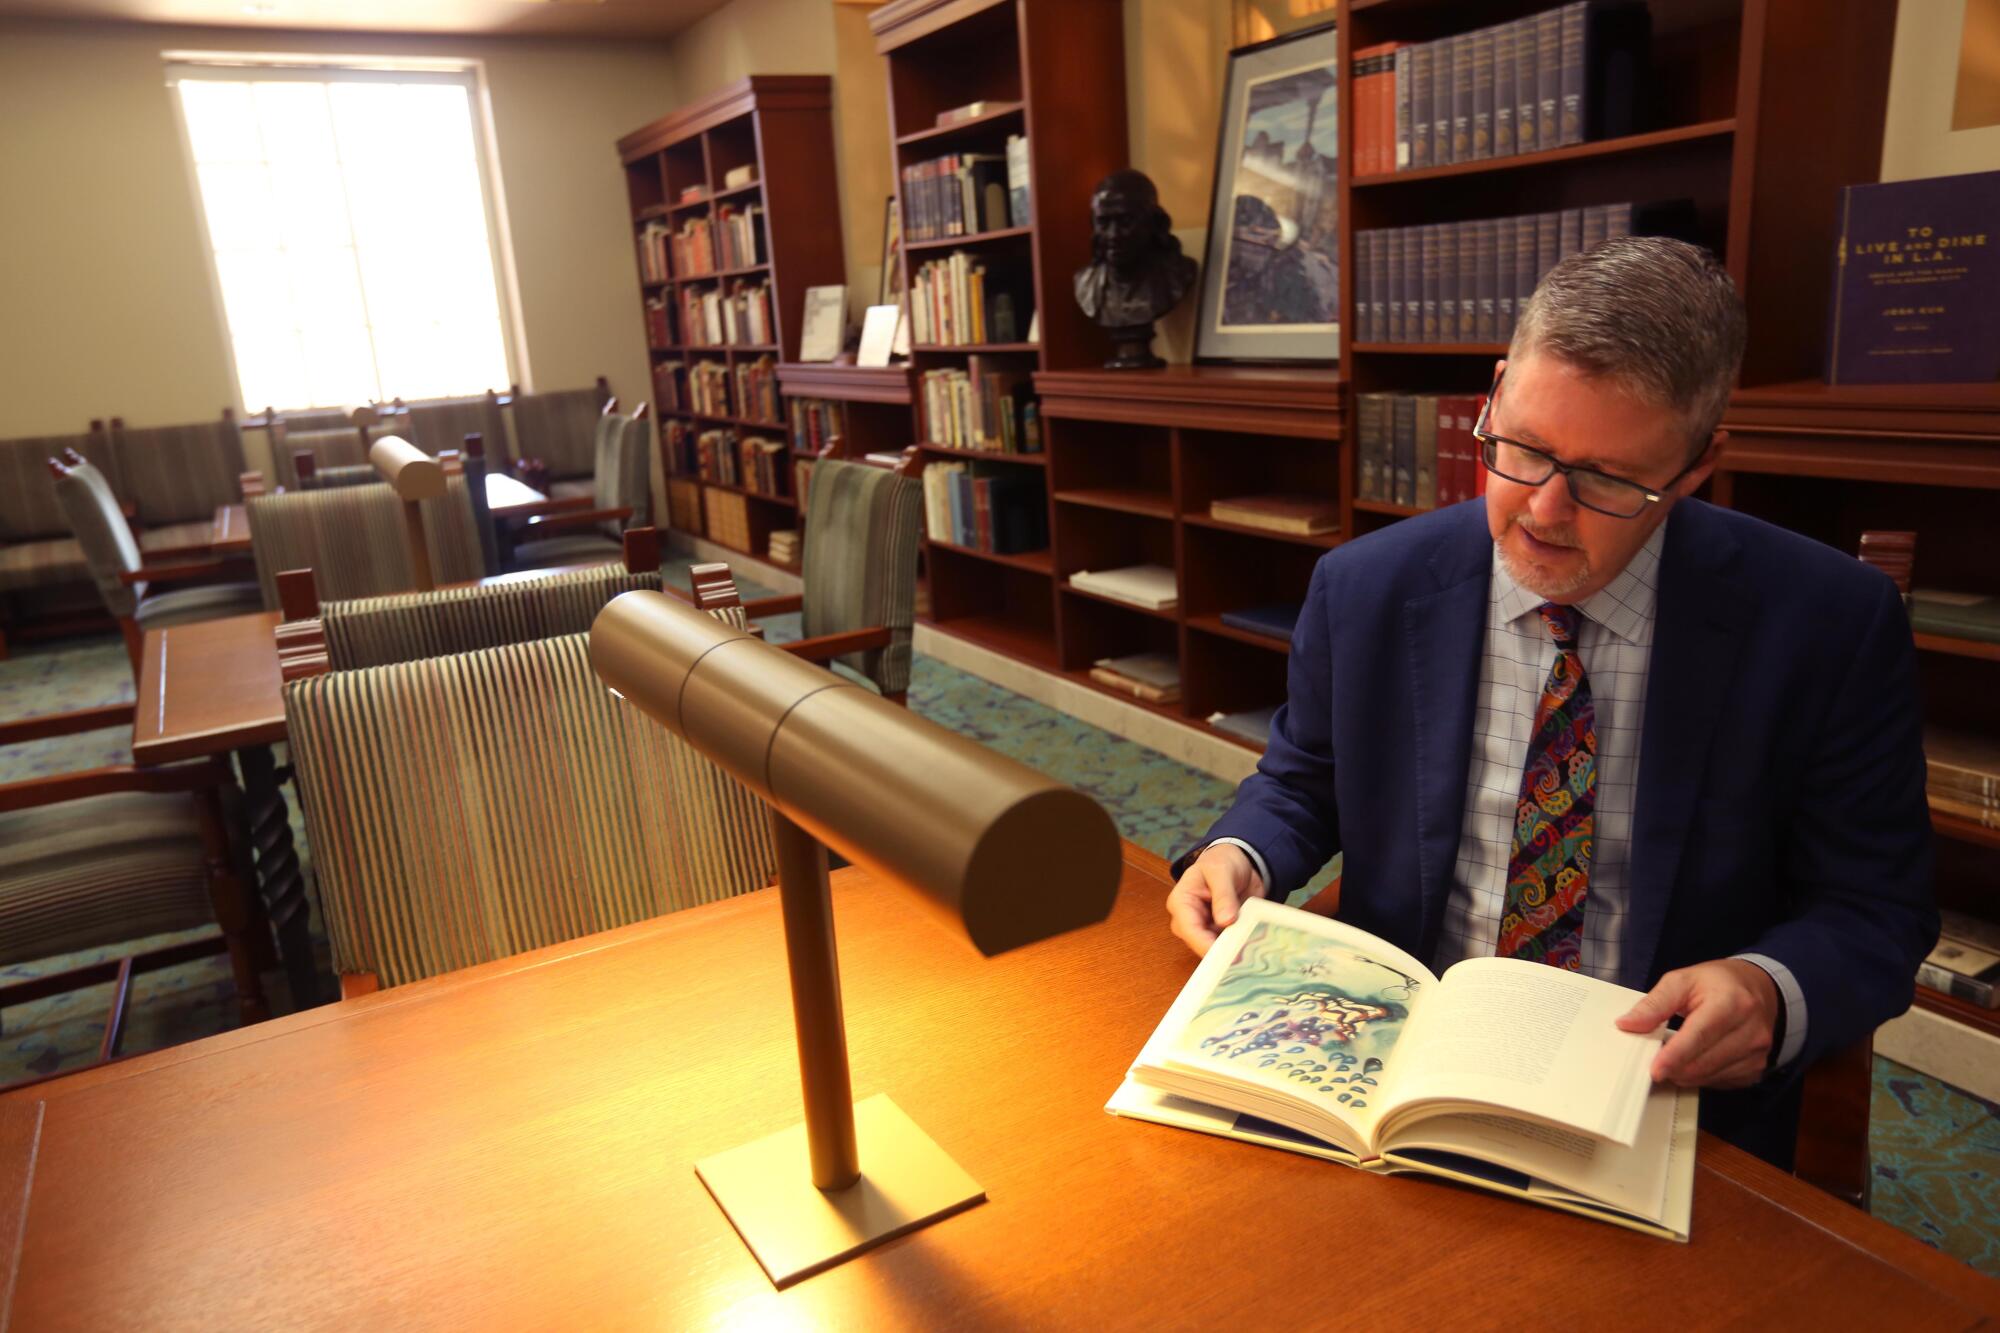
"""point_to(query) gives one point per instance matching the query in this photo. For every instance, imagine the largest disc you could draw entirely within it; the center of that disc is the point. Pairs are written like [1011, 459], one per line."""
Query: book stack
[1273, 620]
[761, 463]
[1154, 677]
[1417, 449]
[1563, 76]
[659, 321]
[677, 444]
[757, 390]
[670, 385]
[716, 459]
[694, 248]
[1966, 962]
[1253, 725]
[784, 547]
[963, 300]
[1004, 511]
[745, 314]
[959, 194]
[740, 235]
[1956, 615]
[708, 389]
[1295, 514]
[1466, 282]
[1149, 586]
[814, 422]
[1962, 775]
[653, 240]
[737, 177]
[988, 405]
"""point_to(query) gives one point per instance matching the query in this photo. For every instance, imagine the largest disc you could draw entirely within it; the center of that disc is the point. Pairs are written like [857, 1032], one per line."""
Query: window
[348, 220]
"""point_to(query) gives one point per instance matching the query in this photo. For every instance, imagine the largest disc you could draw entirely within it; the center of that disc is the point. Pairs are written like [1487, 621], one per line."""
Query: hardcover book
[1304, 1033]
[1482, 93]
[1443, 53]
[1150, 586]
[1420, 105]
[1503, 89]
[1963, 969]
[1916, 287]
[1276, 620]
[1958, 615]
[1278, 513]
[1253, 726]
[1428, 242]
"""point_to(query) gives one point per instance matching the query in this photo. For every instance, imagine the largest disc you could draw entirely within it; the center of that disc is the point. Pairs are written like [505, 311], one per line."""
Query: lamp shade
[1010, 854]
[414, 473]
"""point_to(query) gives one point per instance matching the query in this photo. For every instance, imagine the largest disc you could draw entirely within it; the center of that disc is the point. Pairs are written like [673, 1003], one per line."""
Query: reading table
[513, 1146]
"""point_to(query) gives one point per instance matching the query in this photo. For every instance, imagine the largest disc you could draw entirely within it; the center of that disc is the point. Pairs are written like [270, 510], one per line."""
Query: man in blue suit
[1594, 723]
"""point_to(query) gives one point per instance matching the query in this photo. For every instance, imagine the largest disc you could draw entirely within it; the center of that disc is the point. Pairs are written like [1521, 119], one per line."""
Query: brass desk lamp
[415, 477]
[1009, 855]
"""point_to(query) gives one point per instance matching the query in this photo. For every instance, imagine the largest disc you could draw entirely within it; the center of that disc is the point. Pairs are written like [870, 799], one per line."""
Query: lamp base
[795, 1230]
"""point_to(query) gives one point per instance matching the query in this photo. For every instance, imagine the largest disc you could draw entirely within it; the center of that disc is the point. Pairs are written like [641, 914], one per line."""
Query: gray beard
[1528, 579]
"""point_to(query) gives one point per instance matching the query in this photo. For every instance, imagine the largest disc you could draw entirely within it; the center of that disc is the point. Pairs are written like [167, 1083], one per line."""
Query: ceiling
[546, 18]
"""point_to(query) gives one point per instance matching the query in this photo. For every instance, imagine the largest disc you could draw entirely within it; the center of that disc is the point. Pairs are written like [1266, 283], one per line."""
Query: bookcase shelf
[1629, 145]
[975, 239]
[1326, 541]
[782, 128]
[1036, 562]
[1960, 829]
[1215, 625]
[1137, 610]
[1152, 504]
[966, 348]
[1004, 116]
[1481, 350]
[1944, 643]
[1390, 508]
[988, 455]
[1959, 1011]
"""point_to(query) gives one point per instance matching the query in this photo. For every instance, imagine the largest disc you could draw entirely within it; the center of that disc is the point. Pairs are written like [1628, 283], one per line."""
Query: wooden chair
[178, 476]
[40, 562]
[472, 806]
[321, 450]
[559, 428]
[130, 587]
[440, 423]
[621, 495]
[353, 538]
[863, 524]
[119, 853]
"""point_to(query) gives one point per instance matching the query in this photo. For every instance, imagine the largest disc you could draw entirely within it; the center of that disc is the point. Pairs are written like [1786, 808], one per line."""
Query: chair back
[441, 424]
[352, 538]
[179, 474]
[624, 474]
[861, 563]
[469, 807]
[29, 510]
[560, 428]
[334, 447]
[402, 627]
[101, 530]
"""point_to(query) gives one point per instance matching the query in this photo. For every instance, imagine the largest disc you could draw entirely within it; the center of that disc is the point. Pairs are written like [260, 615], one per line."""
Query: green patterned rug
[1936, 1149]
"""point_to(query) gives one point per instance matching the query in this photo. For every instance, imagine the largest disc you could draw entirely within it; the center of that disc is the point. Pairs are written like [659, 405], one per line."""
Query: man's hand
[1209, 893]
[1730, 1008]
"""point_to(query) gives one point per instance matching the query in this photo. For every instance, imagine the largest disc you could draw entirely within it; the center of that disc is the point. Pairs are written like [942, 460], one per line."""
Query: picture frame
[1270, 285]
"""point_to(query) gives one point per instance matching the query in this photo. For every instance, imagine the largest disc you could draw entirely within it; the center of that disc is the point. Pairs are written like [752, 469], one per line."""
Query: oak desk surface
[513, 1146]
[208, 688]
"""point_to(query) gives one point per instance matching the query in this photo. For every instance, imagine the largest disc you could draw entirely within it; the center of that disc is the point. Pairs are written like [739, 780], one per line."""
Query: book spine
[1428, 245]
[1443, 53]
[1364, 286]
[1486, 321]
[1364, 112]
[1503, 278]
[982, 512]
[1468, 282]
[1405, 112]
[1426, 464]
[1482, 94]
[1450, 239]
[1525, 63]
[1397, 332]
[1548, 78]
[1378, 282]
[1570, 114]
[1420, 104]
[1403, 437]
[1526, 232]
[1595, 218]
[1548, 243]
[1985, 994]
[1450, 485]
[1371, 424]
[1617, 221]
[1503, 89]
[1461, 97]
[1572, 234]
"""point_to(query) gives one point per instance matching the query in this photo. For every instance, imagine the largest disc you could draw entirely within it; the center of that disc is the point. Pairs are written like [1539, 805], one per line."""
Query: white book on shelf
[1150, 586]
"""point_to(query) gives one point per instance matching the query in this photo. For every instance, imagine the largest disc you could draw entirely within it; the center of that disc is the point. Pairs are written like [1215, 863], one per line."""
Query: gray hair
[1658, 317]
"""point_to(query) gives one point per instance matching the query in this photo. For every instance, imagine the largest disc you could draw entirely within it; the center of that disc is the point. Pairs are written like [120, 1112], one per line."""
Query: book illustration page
[1304, 1014]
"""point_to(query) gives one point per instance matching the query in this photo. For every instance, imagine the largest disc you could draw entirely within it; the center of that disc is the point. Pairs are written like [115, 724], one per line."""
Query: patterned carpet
[1936, 1149]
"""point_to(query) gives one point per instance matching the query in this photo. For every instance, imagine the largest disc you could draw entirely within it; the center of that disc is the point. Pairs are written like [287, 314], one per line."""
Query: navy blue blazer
[1780, 806]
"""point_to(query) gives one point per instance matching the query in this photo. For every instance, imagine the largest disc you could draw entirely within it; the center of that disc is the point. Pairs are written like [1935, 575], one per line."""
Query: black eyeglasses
[1599, 491]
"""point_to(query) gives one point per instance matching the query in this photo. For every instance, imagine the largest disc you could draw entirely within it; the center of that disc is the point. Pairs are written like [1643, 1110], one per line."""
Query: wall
[105, 301]
[1917, 137]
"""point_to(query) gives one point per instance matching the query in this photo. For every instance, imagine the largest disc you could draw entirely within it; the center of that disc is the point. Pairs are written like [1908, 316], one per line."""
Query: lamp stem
[807, 902]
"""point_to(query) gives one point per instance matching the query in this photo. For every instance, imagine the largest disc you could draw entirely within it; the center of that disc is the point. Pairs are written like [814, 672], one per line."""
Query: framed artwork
[892, 254]
[1270, 288]
[1261, 20]
[1943, 112]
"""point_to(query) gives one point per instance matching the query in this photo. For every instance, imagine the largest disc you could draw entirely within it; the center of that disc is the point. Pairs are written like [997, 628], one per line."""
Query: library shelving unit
[1052, 70]
[1134, 460]
[676, 169]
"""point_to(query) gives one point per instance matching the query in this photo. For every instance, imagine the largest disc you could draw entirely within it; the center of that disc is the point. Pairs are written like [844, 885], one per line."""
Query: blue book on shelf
[1274, 620]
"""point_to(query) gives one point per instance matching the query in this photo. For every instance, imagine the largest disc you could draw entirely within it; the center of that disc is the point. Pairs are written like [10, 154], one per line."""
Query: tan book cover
[1278, 513]
[1301, 1032]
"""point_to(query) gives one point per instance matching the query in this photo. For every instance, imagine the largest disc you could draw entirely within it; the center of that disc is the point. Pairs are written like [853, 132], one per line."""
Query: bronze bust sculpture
[1137, 272]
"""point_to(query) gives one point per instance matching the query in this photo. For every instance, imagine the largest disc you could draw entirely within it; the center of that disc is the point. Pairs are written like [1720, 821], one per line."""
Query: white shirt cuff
[1256, 859]
[1795, 1005]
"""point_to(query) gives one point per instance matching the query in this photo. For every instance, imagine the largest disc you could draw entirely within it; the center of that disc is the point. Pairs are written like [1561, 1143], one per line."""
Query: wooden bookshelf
[1052, 70]
[782, 127]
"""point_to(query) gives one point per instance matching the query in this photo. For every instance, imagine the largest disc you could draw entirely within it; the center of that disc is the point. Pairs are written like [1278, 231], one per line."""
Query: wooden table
[513, 1146]
[506, 497]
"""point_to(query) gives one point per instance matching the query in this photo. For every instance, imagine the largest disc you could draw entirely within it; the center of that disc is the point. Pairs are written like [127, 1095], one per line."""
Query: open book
[1300, 1032]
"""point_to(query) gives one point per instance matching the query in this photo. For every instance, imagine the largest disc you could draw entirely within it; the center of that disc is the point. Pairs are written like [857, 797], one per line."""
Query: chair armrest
[353, 985]
[546, 523]
[833, 645]
[554, 504]
[774, 606]
[61, 787]
[66, 724]
[191, 569]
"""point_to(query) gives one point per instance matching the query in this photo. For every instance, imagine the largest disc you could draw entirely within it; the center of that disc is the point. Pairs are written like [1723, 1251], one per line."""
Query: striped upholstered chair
[440, 423]
[343, 446]
[621, 497]
[178, 476]
[38, 555]
[560, 429]
[469, 807]
[352, 538]
[132, 590]
[860, 567]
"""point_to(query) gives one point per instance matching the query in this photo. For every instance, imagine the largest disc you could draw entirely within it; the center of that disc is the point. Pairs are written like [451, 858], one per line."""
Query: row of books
[739, 235]
[963, 300]
[693, 249]
[1547, 80]
[715, 318]
[1462, 282]
[963, 194]
[1005, 512]
[1962, 775]
[984, 406]
[757, 390]
[749, 463]
[1416, 449]
[654, 239]
[708, 389]
[814, 422]
[659, 321]
[1966, 961]
[670, 385]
